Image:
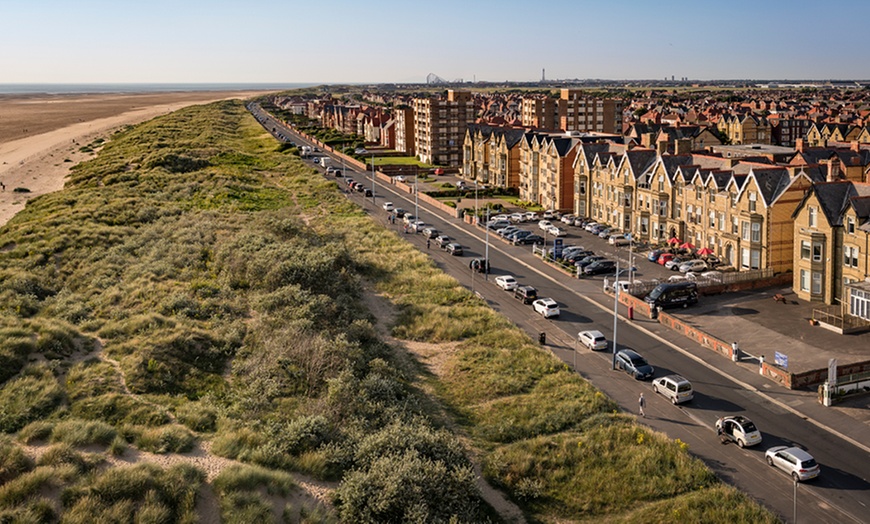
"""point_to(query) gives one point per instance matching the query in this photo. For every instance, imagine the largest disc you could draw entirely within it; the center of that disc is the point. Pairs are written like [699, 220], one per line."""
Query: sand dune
[41, 135]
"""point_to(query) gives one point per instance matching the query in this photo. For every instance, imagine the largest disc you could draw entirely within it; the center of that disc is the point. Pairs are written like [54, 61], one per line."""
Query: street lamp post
[615, 311]
[373, 178]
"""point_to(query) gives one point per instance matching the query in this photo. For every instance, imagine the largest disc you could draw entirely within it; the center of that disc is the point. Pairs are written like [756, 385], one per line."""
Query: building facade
[440, 125]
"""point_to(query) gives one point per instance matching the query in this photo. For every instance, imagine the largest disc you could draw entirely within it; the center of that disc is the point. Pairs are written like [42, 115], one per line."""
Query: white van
[674, 387]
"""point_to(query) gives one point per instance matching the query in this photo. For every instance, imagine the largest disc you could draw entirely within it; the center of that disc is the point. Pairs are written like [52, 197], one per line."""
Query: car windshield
[809, 463]
[638, 361]
[599, 339]
[749, 427]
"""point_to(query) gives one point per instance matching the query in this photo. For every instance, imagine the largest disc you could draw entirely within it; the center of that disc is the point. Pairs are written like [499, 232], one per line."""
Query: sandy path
[40, 162]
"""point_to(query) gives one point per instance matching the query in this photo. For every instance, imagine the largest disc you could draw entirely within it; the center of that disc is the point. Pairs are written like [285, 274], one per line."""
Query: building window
[697, 193]
[817, 283]
[755, 259]
[734, 225]
[850, 256]
[712, 196]
[812, 216]
[805, 280]
[721, 221]
[752, 202]
[661, 184]
[850, 225]
[859, 303]
[744, 230]
[805, 250]
[712, 219]
[817, 252]
[756, 232]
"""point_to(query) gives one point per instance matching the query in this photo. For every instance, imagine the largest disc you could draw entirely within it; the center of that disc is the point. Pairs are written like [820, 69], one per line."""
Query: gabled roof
[832, 198]
[640, 160]
[771, 182]
[861, 205]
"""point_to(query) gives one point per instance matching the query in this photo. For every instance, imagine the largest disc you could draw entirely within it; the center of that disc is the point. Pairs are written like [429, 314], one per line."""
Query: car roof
[546, 300]
[676, 378]
[630, 353]
[796, 452]
[505, 277]
[594, 333]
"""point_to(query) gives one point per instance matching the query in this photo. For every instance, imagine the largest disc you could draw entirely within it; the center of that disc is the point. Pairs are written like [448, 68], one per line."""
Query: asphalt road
[840, 494]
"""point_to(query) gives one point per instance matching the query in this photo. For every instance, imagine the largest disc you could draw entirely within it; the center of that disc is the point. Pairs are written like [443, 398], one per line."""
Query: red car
[664, 258]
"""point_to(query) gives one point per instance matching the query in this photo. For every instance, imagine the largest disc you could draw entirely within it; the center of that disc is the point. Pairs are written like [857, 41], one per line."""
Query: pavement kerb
[687, 353]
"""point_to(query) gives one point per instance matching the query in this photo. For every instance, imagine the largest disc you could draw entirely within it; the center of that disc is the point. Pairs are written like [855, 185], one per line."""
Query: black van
[527, 294]
[673, 294]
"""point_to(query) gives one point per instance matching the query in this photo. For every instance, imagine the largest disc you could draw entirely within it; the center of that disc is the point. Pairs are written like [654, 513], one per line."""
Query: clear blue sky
[332, 41]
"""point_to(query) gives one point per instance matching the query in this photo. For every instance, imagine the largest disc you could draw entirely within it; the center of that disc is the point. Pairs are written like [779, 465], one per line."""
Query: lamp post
[615, 311]
[373, 178]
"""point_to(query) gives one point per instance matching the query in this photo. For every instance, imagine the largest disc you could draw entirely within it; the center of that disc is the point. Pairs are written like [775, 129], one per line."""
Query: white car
[544, 225]
[715, 276]
[550, 213]
[506, 282]
[695, 266]
[556, 231]
[590, 226]
[594, 340]
[417, 226]
[674, 388]
[618, 240]
[531, 216]
[567, 219]
[794, 461]
[388, 207]
[546, 307]
[518, 217]
[739, 429]
[399, 178]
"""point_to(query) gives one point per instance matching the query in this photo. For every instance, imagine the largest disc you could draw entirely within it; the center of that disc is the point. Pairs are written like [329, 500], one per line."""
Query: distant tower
[543, 75]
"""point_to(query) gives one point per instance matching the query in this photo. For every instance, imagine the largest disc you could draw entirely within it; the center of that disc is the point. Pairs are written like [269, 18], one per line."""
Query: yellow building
[439, 127]
[832, 233]
[491, 155]
[546, 174]
[745, 129]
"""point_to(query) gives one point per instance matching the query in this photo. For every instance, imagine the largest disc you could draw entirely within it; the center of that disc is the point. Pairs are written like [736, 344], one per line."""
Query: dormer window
[850, 225]
[811, 214]
[752, 201]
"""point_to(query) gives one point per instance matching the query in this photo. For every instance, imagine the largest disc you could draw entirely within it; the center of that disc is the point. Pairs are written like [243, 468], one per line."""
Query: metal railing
[835, 316]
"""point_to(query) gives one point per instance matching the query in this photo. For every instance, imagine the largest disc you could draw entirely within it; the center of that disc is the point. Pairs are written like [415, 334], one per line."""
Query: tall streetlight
[615, 312]
[373, 178]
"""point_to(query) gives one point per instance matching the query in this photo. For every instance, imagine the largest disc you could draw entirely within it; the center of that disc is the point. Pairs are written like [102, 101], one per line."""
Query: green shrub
[13, 461]
[251, 478]
[197, 416]
[76, 432]
[31, 396]
[167, 439]
[237, 444]
[33, 510]
[36, 431]
[244, 507]
[64, 454]
[116, 408]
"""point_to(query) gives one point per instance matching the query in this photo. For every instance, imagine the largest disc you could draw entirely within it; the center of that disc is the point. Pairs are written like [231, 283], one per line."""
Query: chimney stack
[662, 145]
[683, 146]
[833, 169]
[856, 146]
[800, 145]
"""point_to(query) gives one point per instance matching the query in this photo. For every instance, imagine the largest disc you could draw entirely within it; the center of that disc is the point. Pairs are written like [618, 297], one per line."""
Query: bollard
[735, 352]
[761, 365]
[542, 338]
[631, 312]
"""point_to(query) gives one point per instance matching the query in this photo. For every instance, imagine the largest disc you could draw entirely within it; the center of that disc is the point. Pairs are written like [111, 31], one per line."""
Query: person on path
[641, 402]
[427, 243]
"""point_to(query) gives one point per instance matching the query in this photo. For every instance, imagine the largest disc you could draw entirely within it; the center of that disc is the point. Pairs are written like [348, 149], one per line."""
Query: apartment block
[403, 119]
[440, 125]
[581, 112]
[540, 112]
[546, 173]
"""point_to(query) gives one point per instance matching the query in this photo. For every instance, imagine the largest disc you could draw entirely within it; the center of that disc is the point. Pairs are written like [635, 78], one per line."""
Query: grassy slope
[224, 279]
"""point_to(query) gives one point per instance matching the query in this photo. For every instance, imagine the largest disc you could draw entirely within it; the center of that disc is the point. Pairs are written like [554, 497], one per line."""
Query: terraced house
[546, 172]
[832, 233]
[740, 210]
[745, 129]
[491, 155]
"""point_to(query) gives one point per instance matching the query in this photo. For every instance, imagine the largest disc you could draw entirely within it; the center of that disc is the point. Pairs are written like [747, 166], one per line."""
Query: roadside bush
[408, 488]
[31, 396]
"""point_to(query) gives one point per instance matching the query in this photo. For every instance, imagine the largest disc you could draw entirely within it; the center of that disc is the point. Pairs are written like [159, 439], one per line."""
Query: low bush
[238, 488]
[167, 439]
[36, 431]
[13, 460]
[31, 396]
[64, 454]
[197, 416]
[76, 432]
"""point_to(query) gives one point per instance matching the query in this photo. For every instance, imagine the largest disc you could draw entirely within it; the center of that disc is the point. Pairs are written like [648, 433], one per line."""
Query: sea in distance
[72, 89]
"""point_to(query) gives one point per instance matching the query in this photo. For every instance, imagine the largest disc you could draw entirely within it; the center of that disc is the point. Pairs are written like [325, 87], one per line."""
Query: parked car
[664, 258]
[430, 232]
[594, 340]
[600, 267]
[480, 265]
[673, 294]
[388, 206]
[619, 240]
[527, 294]
[454, 249]
[794, 461]
[597, 228]
[556, 231]
[576, 256]
[693, 265]
[531, 216]
[653, 256]
[567, 219]
[518, 234]
[547, 307]
[506, 282]
[417, 226]
[550, 213]
[674, 263]
[589, 225]
[580, 221]
[605, 233]
[632, 363]
[713, 260]
[442, 241]
[530, 239]
[674, 388]
[518, 217]
[408, 218]
[738, 429]
[400, 213]
[544, 225]
[588, 259]
[399, 178]
[714, 276]
[495, 225]
[504, 232]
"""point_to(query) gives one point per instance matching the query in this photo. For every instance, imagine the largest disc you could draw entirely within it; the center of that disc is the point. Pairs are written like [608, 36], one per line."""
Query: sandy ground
[40, 135]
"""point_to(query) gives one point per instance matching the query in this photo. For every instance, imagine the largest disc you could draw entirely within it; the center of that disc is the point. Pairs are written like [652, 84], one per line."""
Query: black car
[600, 266]
[520, 233]
[575, 256]
[530, 239]
[635, 365]
[400, 213]
[587, 260]
[481, 265]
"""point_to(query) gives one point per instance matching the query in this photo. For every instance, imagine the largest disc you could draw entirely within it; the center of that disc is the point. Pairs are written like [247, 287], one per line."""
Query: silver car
[794, 461]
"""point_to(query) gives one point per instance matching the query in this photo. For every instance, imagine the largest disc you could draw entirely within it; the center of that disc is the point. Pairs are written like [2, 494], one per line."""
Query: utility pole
[615, 311]
[373, 178]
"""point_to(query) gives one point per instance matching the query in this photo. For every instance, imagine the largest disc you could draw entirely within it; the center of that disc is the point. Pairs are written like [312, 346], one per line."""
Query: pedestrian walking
[641, 402]
[2, 185]
[427, 243]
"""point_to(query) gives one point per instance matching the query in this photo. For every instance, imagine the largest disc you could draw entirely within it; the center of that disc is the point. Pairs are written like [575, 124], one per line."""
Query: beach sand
[41, 135]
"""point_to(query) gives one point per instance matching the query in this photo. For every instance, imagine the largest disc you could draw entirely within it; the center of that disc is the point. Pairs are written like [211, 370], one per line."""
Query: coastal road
[840, 494]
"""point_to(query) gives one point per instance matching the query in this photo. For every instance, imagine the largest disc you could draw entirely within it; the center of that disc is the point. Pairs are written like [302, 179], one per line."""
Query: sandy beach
[41, 135]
